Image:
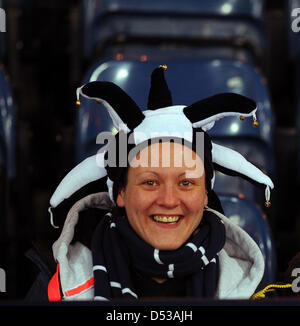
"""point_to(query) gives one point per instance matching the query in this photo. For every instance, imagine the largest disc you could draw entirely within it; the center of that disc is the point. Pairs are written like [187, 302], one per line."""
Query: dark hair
[120, 183]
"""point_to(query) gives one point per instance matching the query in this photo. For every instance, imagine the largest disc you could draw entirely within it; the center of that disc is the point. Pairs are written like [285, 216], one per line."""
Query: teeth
[166, 219]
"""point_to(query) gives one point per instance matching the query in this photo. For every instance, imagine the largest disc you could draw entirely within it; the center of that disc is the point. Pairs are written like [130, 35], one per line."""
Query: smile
[171, 219]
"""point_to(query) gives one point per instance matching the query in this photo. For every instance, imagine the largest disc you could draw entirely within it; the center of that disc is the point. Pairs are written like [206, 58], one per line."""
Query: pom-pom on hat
[162, 119]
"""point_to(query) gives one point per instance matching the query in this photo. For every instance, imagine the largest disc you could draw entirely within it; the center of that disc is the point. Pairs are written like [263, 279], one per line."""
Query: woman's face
[164, 202]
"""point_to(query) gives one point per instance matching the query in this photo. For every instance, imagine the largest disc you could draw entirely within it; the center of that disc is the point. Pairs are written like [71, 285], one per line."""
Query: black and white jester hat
[162, 119]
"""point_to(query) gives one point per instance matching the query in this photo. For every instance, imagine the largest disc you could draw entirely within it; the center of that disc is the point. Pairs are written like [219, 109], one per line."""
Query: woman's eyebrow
[191, 175]
[142, 173]
[146, 172]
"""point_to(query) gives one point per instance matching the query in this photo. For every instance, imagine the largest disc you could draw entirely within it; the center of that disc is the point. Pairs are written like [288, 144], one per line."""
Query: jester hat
[163, 119]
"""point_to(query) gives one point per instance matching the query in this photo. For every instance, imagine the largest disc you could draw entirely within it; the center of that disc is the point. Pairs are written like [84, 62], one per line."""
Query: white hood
[241, 261]
[75, 260]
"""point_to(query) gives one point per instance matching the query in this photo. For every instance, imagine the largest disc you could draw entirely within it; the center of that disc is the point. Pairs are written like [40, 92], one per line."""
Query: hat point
[267, 203]
[164, 66]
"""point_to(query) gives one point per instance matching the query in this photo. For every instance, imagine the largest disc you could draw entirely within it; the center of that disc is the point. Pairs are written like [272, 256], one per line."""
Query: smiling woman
[163, 206]
[159, 230]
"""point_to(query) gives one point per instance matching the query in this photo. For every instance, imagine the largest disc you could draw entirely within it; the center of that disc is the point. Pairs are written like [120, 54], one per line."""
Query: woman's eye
[150, 182]
[186, 183]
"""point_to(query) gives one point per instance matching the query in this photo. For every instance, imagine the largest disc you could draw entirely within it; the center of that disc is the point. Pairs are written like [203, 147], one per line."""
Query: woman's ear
[120, 199]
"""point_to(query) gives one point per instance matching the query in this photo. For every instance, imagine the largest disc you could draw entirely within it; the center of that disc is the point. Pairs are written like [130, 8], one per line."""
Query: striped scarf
[116, 249]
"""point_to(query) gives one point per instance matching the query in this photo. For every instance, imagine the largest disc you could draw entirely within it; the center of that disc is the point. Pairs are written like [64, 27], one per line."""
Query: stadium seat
[293, 50]
[7, 176]
[234, 23]
[166, 51]
[7, 125]
[250, 218]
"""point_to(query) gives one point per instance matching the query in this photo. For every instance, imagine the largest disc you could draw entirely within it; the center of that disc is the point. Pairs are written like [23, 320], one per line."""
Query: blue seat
[189, 81]
[236, 186]
[250, 218]
[7, 149]
[250, 9]
[7, 177]
[292, 34]
[166, 51]
[236, 22]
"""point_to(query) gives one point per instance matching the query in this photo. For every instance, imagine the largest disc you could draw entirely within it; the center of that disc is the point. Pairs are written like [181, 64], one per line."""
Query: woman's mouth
[168, 219]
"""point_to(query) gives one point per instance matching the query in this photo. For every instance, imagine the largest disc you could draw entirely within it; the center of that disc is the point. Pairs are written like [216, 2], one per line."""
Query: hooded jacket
[241, 261]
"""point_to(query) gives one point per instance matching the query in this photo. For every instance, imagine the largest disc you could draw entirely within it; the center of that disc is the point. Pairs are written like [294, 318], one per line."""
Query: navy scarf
[116, 249]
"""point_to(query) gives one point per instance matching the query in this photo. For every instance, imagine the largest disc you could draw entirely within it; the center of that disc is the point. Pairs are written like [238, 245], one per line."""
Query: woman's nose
[168, 196]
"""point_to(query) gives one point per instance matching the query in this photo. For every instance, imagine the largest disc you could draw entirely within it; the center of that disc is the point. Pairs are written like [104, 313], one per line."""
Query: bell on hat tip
[78, 103]
[255, 123]
[242, 117]
[165, 67]
[267, 203]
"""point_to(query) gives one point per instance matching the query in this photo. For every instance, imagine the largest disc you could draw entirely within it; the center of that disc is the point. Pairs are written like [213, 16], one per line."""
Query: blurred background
[50, 48]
